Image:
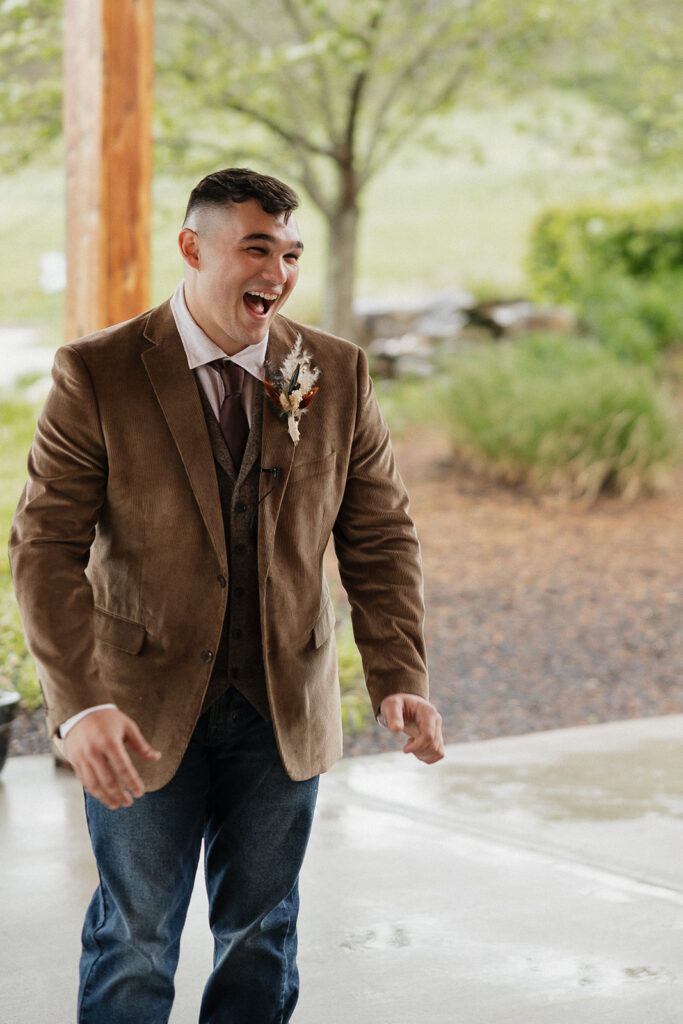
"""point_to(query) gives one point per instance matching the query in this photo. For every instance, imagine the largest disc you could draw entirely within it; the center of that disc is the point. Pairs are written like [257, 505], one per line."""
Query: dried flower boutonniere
[291, 388]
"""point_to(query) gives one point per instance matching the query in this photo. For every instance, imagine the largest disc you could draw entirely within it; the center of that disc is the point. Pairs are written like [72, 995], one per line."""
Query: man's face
[242, 265]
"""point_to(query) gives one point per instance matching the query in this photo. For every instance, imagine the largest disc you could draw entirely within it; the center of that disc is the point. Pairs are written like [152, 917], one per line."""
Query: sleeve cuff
[65, 727]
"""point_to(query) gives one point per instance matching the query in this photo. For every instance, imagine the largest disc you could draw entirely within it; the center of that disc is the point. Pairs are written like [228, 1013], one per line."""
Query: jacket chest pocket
[313, 468]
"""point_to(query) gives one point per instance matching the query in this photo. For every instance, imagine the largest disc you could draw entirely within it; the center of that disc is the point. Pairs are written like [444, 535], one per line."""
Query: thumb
[393, 715]
[137, 742]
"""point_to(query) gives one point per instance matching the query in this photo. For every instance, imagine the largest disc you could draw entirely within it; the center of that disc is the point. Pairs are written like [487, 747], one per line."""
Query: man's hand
[96, 747]
[405, 712]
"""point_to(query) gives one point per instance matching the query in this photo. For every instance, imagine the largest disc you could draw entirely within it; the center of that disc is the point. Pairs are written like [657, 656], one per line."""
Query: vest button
[240, 549]
[221, 580]
[239, 591]
[237, 634]
[234, 672]
[206, 656]
[240, 507]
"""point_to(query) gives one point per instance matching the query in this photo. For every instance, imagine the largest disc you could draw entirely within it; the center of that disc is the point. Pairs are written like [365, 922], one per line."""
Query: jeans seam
[85, 986]
[285, 958]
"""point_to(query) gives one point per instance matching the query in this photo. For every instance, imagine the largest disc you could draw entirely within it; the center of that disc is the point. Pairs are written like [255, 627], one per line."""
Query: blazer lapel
[277, 451]
[176, 391]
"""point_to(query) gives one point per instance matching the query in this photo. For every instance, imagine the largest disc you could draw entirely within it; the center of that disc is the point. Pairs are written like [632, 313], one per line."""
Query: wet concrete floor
[530, 880]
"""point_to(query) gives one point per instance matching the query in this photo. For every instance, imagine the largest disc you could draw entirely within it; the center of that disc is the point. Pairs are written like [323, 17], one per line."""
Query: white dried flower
[292, 388]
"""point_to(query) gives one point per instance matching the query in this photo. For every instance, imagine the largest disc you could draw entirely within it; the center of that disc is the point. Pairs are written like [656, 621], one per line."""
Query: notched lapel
[176, 391]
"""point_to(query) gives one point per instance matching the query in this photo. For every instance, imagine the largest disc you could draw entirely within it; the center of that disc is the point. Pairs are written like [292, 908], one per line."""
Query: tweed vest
[239, 658]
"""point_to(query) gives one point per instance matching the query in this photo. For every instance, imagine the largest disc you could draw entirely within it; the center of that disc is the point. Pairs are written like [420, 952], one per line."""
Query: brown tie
[232, 417]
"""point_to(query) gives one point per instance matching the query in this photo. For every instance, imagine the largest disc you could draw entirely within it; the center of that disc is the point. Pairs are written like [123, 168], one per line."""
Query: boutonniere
[291, 388]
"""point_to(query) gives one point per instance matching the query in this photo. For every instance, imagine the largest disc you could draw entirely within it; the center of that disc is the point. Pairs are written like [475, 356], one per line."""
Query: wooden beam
[109, 75]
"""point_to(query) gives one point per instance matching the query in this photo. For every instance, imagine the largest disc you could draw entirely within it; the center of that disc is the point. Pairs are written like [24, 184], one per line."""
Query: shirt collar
[199, 348]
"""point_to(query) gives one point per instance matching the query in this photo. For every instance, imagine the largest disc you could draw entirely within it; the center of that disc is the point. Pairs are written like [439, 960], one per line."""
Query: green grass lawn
[430, 220]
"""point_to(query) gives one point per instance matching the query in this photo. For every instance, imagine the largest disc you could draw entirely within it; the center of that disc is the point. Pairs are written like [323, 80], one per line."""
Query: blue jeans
[232, 791]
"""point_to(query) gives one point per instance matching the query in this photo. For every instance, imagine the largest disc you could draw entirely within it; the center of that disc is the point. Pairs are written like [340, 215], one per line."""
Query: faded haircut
[239, 184]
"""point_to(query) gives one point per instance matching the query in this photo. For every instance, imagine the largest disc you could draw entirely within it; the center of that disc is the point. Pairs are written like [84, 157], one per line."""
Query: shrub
[355, 702]
[634, 319]
[572, 247]
[560, 415]
[17, 670]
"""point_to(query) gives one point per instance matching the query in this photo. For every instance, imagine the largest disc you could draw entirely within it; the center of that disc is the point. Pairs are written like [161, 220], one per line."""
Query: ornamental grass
[560, 415]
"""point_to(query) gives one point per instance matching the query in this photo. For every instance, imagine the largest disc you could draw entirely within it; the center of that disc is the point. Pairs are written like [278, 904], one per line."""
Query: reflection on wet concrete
[536, 880]
[594, 785]
[609, 786]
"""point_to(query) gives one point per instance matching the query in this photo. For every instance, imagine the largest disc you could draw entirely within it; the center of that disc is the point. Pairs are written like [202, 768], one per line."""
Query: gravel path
[543, 614]
[539, 614]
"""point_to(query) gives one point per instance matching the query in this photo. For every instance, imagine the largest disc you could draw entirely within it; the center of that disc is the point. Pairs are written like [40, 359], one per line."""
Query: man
[167, 554]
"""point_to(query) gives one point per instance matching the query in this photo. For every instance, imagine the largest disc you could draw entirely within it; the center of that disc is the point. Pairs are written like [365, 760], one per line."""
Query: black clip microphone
[275, 470]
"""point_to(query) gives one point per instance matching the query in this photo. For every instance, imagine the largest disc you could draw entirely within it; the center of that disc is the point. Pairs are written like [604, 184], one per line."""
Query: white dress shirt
[201, 352]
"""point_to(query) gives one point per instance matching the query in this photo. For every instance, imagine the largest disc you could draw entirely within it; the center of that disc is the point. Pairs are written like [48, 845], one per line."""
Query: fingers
[418, 719]
[139, 744]
[427, 747]
[96, 747]
[101, 782]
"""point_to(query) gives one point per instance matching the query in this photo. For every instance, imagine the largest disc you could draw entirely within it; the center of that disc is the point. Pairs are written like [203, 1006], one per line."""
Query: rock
[506, 318]
[410, 354]
[403, 335]
[435, 315]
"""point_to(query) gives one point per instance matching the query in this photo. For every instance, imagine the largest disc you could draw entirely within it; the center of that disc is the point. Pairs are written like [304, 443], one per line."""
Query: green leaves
[572, 246]
[30, 77]
[560, 415]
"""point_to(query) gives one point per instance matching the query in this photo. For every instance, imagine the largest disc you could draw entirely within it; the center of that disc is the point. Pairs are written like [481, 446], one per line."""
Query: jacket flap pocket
[123, 634]
[324, 624]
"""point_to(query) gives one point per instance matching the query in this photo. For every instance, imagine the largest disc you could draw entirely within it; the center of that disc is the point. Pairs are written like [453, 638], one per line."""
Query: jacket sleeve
[51, 536]
[379, 557]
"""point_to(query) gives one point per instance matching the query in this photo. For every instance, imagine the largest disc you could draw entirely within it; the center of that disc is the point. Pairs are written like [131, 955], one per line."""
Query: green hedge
[570, 248]
[17, 670]
[635, 319]
[560, 415]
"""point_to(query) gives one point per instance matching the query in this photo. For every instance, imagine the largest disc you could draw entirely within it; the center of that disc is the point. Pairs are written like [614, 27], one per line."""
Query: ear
[188, 241]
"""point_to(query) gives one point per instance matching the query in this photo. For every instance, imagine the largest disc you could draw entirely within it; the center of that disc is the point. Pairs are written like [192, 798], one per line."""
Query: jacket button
[206, 656]
[221, 580]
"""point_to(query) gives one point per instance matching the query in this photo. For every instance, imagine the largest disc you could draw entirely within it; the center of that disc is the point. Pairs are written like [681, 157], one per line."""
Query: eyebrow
[263, 237]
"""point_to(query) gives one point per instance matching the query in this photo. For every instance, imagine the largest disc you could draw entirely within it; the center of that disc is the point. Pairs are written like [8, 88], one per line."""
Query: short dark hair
[237, 185]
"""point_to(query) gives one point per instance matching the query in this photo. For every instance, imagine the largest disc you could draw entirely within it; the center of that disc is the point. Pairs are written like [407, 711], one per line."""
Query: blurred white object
[52, 272]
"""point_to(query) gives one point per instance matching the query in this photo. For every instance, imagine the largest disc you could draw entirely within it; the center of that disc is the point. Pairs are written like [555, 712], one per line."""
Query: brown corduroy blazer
[118, 549]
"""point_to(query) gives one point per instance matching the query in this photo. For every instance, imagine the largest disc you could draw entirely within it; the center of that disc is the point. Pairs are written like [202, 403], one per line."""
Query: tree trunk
[342, 228]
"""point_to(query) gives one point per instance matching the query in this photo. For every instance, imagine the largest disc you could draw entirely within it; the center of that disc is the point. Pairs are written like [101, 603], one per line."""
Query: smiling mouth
[260, 302]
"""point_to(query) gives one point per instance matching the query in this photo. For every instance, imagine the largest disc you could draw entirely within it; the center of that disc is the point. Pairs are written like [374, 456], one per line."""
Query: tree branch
[293, 138]
[305, 34]
[374, 162]
[404, 75]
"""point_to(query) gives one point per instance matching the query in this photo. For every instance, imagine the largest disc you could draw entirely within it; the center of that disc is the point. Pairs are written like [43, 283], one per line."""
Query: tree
[328, 90]
[30, 77]
[626, 57]
[332, 90]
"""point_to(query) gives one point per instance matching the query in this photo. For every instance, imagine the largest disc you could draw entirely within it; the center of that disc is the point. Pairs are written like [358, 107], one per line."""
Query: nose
[275, 270]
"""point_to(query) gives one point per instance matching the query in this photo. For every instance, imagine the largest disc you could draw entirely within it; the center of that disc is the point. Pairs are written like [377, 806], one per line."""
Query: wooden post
[109, 76]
